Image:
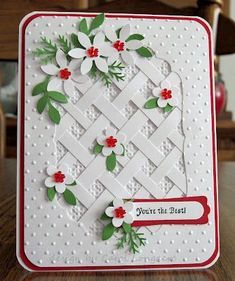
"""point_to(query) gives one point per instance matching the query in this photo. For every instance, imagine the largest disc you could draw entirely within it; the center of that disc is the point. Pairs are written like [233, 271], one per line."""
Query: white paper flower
[120, 45]
[58, 178]
[120, 212]
[166, 94]
[65, 73]
[92, 52]
[111, 142]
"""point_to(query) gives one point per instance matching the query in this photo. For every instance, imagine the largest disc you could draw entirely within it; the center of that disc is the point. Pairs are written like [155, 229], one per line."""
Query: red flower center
[64, 73]
[119, 213]
[92, 52]
[119, 45]
[166, 94]
[111, 141]
[59, 177]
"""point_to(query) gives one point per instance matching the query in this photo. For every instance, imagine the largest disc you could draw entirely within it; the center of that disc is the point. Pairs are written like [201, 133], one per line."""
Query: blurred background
[219, 13]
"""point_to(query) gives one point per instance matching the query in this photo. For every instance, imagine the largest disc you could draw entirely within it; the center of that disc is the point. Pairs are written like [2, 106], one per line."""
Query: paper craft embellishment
[69, 60]
[126, 215]
[166, 97]
[110, 145]
[117, 150]
[120, 214]
[58, 181]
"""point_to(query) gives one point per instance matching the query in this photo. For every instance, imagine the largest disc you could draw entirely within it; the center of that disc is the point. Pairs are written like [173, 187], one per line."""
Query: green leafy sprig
[132, 239]
[152, 103]
[47, 52]
[114, 72]
[65, 44]
[129, 236]
[68, 195]
[47, 100]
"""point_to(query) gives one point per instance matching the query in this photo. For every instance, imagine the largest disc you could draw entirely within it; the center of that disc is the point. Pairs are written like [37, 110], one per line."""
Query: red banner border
[200, 199]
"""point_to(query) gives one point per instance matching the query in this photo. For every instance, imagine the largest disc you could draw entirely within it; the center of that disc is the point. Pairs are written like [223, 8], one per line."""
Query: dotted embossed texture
[179, 162]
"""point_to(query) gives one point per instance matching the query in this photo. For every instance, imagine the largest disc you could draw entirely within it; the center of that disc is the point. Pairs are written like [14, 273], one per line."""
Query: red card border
[23, 259]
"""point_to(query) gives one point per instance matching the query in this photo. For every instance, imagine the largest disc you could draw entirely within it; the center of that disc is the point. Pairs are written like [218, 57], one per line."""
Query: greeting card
[117, 150]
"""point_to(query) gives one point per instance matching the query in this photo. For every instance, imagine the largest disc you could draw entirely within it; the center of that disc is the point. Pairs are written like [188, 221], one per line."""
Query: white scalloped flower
[66, 73]
[111, 142]
[120, 212]
[121, 46]
[166, 94]
[58, 177]
[92, 52]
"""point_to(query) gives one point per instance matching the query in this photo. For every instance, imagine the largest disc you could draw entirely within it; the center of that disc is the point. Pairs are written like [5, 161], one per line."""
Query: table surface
[224, 269]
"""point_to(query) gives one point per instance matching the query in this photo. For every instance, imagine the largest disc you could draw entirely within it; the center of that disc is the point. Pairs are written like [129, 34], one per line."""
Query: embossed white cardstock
[117, 166]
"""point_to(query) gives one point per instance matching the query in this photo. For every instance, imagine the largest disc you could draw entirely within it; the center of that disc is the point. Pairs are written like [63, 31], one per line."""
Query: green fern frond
[64, 43]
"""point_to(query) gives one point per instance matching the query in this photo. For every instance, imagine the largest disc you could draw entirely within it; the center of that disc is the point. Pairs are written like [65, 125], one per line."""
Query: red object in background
[220, 95]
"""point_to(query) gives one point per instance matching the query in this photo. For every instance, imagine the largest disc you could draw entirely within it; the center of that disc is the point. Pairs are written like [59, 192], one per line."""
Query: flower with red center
[120, 212]
[64, 74]
[58, 178]
[122, 44]
[92, 52]
[166, 94]
[119, 45]
[111, 142]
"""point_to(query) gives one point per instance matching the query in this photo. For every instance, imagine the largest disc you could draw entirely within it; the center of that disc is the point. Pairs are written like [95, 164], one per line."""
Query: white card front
[117, 151]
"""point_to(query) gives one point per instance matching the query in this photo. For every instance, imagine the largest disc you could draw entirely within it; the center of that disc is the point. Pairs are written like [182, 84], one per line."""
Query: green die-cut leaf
[152, 103]
[124, 150]
[105, 217]
[96, 22]
[69, 197]
[92, 38]
[145, 52]
[83, 27]
[51, 192]
[97, 149]
[135, 36]
[127, 227]
[54, 114]
[39, 89]
[118, 32]
[72, 184]
[108, 231]
[57, 96]
[111, 162]
[75, 42]
[41, 104]
[168, 108]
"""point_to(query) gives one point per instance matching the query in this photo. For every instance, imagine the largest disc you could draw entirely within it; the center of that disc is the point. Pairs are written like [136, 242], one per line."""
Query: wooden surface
[226, 140]
[2, 132]
[223, 270]
[12, 11]
[11, 136]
